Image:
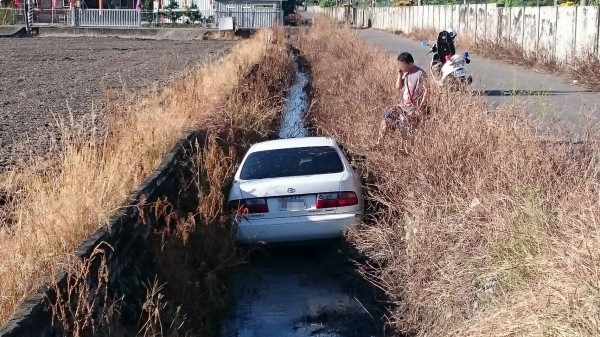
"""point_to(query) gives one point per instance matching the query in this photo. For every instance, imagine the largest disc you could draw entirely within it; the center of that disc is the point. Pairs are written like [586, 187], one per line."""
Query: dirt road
[43, 78]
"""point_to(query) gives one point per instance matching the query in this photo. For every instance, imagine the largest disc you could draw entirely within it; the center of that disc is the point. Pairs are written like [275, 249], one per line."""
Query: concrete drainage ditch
[302, 291]
[126, 243]
[295, 291]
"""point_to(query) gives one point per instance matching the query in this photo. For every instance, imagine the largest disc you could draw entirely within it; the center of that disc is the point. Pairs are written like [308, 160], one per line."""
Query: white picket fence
[104, 18]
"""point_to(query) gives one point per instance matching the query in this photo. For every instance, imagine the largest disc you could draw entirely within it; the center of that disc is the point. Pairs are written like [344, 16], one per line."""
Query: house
[250, 14]
[91, 4]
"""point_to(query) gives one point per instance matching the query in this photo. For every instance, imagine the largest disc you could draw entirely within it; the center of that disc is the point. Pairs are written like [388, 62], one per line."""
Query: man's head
[406, 62]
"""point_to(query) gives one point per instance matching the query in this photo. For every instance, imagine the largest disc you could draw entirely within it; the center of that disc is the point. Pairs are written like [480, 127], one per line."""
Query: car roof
[292, 143]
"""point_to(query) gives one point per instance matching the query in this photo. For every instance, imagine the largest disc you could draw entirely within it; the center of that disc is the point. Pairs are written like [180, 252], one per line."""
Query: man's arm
[425, 88]
[400, 81]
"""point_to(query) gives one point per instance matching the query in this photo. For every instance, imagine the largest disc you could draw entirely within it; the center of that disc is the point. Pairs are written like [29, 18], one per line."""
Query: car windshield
[291, 162]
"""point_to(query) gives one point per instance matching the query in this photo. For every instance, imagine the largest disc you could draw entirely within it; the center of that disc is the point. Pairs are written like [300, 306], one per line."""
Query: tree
[147, 5]
[172, 11]
[193, 14]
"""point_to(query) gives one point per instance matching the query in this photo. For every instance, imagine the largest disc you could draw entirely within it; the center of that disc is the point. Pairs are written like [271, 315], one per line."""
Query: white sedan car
[296, 189]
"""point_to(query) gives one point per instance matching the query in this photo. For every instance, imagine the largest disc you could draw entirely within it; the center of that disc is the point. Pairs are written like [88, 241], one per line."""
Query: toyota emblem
[291, 190]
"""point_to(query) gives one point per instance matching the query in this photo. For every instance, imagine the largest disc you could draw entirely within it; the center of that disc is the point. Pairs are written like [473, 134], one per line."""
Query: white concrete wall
[530, 30]
[481, 22]
[565, 32]
[586, 28]
[547, 31]
[557, 32]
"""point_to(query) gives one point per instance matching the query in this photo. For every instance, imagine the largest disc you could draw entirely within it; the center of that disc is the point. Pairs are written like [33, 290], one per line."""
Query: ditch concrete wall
[559, 32]
[131, 260]
[13, 31]
[176, 34]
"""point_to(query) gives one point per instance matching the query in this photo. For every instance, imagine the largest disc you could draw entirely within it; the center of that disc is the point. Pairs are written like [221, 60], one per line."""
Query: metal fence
[117, 17]
[104, 18]
[50, 17]
[12, 15]
[165, 17]
[252, 18]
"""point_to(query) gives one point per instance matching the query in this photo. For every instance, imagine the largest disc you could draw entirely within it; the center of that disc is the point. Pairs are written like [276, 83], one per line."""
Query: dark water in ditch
[292, 124]
[306, 290]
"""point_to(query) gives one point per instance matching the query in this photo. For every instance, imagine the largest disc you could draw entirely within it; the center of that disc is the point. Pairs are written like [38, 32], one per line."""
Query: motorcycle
[451, 72]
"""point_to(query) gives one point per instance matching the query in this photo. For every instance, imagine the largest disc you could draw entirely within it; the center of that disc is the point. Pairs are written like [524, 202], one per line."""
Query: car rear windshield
[291, 162]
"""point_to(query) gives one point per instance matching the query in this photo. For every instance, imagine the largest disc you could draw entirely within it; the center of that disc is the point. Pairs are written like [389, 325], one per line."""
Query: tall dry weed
[54, 205]
[584, 68]
[83, 306]
[481, 229]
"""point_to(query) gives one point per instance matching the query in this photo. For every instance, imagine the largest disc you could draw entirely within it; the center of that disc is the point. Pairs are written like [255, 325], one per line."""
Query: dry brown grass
[54, 205]
[84, 307]
[584, 69]
[481, 229]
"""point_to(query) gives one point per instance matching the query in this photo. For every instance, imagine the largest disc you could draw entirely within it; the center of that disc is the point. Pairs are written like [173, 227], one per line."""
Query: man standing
[411, 82]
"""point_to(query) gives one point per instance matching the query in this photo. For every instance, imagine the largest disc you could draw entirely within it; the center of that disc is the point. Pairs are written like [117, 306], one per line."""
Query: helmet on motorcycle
[451, 32]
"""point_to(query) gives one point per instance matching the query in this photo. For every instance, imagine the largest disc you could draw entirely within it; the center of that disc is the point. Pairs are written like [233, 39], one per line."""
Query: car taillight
[327, 200]
[248, 206]
[341, 199]
[256, 205]
[347, 199]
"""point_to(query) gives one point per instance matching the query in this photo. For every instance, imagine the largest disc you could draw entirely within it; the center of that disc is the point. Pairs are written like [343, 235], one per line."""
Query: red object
[328, 200]
[448, 58]
[347, 199]
[251, 206]
[331, 200]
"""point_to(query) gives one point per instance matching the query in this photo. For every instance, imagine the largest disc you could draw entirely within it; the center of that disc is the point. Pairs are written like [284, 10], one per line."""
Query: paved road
[545, 96]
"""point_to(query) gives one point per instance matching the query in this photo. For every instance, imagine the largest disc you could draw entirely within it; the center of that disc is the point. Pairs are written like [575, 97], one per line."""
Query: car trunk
[292, 196]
